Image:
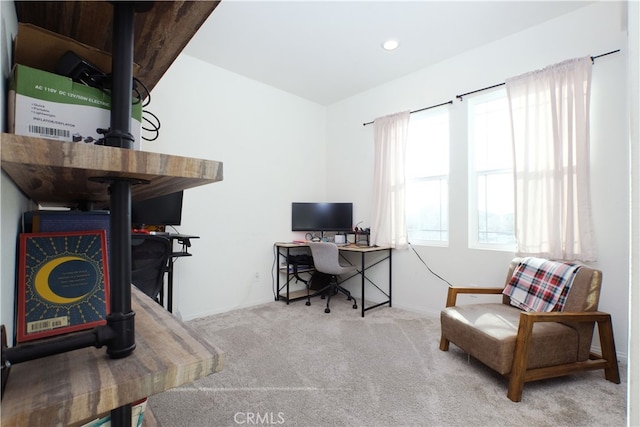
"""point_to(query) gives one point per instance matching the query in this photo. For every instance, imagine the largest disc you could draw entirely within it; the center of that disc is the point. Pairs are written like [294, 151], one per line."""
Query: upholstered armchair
[532, 345]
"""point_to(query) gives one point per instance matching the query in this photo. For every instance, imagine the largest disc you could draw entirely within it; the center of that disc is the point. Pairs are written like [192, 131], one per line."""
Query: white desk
[284, 249]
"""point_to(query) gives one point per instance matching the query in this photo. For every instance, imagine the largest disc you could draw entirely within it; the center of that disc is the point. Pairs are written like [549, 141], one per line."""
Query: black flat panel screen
[321, 216]
[163, 210]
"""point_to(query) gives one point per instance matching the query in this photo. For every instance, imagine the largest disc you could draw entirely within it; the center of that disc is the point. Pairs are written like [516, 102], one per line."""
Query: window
[427, 178]
[491, 204]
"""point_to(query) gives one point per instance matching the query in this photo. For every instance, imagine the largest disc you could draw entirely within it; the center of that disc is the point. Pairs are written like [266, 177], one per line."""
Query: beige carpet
[293, 365]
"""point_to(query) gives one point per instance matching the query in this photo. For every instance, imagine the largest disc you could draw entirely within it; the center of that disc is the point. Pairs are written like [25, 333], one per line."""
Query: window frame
[445, 201]
[473, 214]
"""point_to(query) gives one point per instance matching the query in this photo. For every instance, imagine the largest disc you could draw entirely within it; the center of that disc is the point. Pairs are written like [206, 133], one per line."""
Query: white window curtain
[550, 124]
[388, 224]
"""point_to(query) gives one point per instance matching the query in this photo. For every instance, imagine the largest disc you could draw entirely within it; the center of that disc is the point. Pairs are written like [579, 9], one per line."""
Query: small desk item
[74, 387]
[284, 248]
[361, 237]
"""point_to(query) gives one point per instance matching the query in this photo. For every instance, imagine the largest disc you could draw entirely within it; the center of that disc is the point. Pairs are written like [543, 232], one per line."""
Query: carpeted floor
[293, 365]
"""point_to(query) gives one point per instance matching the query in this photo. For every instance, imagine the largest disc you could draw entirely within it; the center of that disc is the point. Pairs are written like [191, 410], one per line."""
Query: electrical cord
[155, 127]
[428, 268]
[139, 97]
[81, 71]
[146, 114]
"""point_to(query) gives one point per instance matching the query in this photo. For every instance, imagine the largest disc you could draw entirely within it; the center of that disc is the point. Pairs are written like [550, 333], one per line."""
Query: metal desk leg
[288, 278]
[278, 255]
[170, 286]
[389, 277]
[362, 266]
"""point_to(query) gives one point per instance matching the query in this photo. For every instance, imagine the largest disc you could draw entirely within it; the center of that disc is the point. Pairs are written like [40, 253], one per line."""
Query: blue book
[48, 221]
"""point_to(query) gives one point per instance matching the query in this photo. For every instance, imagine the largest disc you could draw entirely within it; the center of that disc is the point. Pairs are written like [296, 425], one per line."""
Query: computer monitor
[321, 217]
[163, 210]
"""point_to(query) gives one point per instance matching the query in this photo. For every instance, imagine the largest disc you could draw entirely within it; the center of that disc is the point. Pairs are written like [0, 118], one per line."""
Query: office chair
[149, 257]
[326, 259]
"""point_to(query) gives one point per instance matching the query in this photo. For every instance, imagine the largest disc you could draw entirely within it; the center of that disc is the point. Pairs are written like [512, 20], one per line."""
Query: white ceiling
[326, 51]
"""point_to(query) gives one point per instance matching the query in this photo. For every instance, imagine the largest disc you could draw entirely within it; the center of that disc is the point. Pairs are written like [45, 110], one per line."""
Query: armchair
[528, 346]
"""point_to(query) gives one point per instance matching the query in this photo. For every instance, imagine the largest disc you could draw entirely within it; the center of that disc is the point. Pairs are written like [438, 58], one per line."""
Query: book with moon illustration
[63, 283]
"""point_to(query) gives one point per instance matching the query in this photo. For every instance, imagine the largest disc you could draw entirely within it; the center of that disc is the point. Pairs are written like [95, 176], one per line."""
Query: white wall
[273, 148]
[589, 31]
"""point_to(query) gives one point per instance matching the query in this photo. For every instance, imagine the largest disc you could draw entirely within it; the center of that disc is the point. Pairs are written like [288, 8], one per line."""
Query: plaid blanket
[540, 285]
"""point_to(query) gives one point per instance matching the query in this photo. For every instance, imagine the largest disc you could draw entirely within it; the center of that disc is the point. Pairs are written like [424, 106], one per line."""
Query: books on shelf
[48, 220]
[291, 267]
[63, 283]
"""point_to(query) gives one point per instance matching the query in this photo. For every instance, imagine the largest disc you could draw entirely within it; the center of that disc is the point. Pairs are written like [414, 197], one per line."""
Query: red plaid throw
[540, 285]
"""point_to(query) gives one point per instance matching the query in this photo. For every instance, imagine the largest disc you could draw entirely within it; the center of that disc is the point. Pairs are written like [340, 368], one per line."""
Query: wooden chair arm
[565, 316]
[453, 292]
[519, 372]
[603, 320]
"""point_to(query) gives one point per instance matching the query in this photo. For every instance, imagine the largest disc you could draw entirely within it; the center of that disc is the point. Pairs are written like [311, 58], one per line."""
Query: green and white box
[47, 105]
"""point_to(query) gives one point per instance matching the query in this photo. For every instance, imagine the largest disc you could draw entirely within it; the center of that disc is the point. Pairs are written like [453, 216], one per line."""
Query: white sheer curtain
[550, 120]
[388, 224]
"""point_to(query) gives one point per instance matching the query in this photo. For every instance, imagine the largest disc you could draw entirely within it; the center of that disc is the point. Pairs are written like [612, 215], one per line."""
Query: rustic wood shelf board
[75, 386]
[63, 173]
[160, 33]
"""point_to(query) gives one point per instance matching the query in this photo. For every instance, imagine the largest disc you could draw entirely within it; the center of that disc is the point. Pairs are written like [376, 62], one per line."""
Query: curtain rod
[502, 84]
[417, 111]
[486, 88]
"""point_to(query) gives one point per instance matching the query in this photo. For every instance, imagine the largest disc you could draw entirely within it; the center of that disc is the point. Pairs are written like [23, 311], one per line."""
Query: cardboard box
[46, 105]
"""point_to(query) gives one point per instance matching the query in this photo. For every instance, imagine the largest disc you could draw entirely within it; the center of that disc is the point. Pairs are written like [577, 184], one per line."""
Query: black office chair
[326, 259]
[149, 257]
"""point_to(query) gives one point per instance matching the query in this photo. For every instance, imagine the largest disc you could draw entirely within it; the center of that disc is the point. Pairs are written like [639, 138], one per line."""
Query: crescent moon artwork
[81, 277]
[63, 283]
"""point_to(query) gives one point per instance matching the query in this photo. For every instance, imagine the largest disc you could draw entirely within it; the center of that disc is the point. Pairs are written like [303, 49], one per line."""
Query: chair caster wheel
[307, 303]
[326, 310]
[355, 306]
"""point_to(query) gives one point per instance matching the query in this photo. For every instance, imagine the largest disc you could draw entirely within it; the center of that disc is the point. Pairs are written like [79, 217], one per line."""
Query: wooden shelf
[59, 173]
[75, 386]
[295, 295]
[160, 34]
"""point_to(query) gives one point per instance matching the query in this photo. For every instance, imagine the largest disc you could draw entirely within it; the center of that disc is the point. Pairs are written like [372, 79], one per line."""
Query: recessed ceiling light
[390, 45]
